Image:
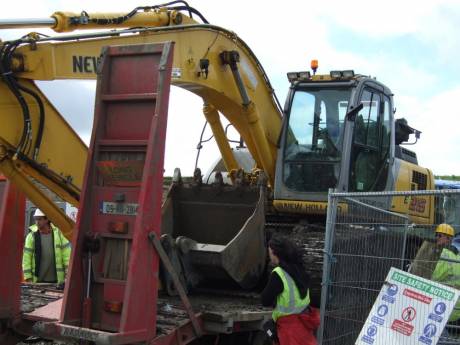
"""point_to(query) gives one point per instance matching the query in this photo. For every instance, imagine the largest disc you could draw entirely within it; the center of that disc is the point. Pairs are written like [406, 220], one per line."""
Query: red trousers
[298, 329]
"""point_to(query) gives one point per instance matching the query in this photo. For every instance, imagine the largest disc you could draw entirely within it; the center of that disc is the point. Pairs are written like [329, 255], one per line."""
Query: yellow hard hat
[445, 229]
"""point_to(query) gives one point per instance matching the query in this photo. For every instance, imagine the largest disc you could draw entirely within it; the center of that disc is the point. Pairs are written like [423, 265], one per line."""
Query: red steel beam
[12, 222]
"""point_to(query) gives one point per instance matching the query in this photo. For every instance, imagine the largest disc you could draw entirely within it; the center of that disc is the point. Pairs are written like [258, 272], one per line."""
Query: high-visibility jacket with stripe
[289, 301]
[448, 273]
[62, 249]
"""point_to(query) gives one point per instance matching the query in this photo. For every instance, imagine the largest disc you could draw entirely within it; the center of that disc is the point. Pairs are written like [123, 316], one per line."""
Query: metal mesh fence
[366, 235]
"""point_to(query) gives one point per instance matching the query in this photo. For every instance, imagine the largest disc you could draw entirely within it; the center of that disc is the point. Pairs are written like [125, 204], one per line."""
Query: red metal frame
[180, 336]
[124, 173]
[12, 222]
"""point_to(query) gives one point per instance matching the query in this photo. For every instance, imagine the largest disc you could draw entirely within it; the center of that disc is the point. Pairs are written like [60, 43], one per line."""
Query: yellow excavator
[336, 130]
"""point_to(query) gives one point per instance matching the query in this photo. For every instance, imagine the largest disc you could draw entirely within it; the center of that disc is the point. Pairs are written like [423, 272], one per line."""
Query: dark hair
[290, 257]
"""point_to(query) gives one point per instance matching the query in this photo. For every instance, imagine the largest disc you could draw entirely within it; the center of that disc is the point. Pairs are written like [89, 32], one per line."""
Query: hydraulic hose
[6, 55]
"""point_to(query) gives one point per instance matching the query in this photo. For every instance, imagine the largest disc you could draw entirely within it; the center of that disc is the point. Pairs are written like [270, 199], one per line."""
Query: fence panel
[364, 240]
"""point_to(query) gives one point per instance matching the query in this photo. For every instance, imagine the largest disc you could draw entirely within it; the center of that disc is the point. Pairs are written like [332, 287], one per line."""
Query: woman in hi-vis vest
[288, 292]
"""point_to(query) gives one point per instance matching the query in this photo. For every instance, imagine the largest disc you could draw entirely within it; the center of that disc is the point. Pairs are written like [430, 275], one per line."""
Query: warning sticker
[408, 314]
[402, 327]
[417, 296]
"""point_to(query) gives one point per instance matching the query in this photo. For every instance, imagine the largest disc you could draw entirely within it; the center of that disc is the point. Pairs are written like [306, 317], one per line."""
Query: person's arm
[66, 250]
[442, 269]
[273, 288]
[27, 257]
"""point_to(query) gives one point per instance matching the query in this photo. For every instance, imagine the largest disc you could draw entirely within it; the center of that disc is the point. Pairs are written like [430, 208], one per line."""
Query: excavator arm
[209, 61]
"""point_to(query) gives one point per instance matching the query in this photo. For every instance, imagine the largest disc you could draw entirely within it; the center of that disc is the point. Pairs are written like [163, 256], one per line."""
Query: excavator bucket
[214, 234]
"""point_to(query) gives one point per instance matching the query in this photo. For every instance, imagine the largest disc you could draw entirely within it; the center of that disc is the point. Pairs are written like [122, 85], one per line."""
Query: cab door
[370, 151]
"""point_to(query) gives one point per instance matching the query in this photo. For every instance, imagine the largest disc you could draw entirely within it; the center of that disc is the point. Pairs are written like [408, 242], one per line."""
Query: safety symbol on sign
[392, 290]
[429, 330]
[382, 310]
[408, 314]
[440, 308]
[371, 331]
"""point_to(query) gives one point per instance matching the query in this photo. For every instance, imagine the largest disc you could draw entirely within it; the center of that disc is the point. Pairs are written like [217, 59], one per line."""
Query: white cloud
[185, 123]
[437, 118]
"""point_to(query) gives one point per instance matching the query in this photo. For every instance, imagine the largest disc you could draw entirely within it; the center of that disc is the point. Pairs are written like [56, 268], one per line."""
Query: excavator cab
[313, 140]
[327, 145]
[337, 133]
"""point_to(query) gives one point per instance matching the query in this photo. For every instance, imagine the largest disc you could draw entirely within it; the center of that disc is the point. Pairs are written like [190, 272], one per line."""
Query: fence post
[406, 230]
[330, 226]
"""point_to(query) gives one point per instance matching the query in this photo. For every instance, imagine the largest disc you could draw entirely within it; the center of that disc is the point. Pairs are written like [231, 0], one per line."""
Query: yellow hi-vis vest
[289, 302]
[61, 254]
[448, 273]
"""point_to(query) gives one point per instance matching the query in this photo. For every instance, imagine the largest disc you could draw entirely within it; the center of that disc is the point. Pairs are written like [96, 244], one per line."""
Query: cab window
[366, 126]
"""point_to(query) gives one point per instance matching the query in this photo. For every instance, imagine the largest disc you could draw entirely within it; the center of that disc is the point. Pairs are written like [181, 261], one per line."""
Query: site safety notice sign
[408, 310]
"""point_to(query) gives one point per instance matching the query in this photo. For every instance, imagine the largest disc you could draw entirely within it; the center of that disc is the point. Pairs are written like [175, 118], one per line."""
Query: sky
[413, 48]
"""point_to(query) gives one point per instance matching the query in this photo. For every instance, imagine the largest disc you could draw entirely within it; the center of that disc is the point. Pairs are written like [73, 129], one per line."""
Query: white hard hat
[39, 213]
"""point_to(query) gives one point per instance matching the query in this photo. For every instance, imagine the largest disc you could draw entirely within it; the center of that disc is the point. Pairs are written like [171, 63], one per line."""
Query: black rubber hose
[175, 2]
[14, 87]
[6, 56]
[200, 146]
[121, 19]
[190, 9]
[41, 122]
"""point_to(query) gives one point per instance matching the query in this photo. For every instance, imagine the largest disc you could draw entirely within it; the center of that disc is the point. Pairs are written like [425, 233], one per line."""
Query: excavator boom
[209, 61]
